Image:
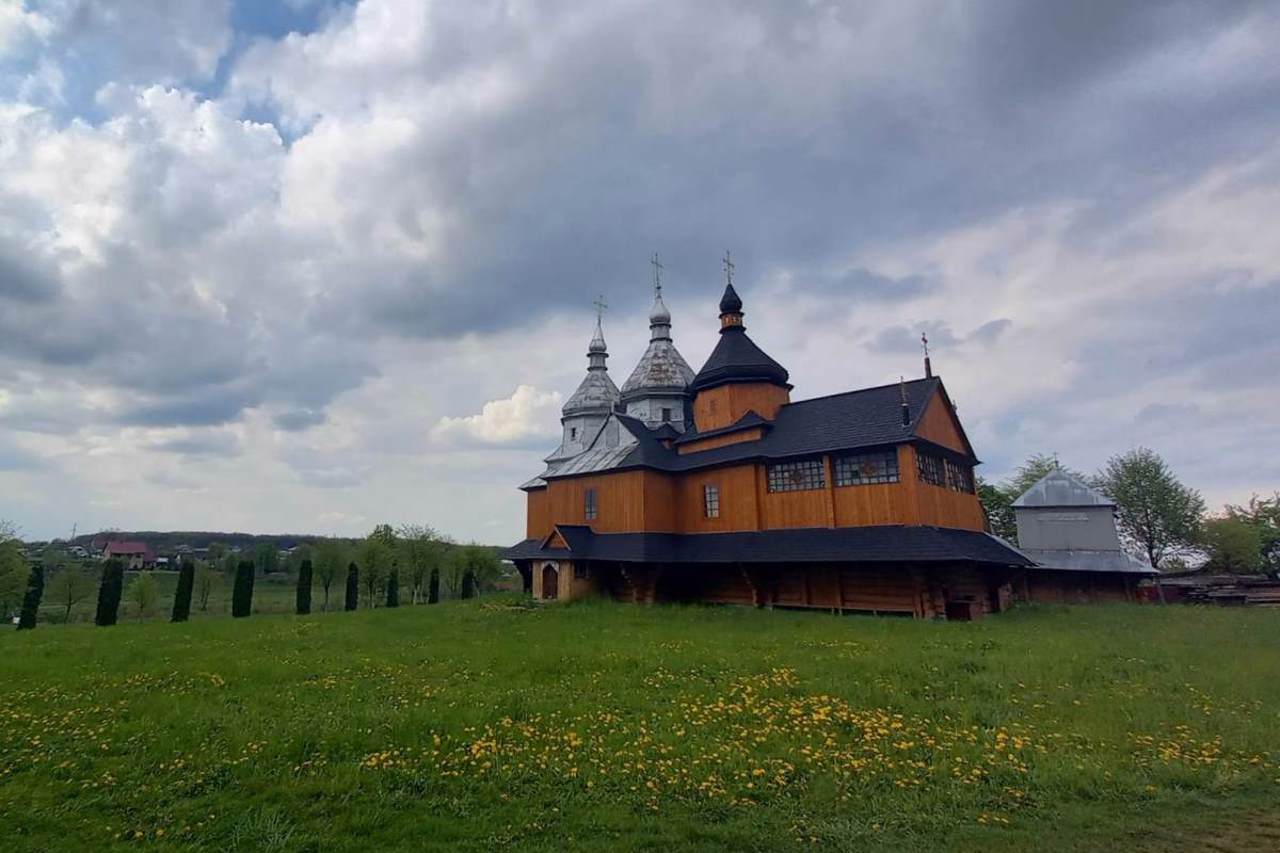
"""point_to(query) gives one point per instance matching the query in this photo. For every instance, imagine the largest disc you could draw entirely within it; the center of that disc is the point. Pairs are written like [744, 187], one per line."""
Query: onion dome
[661, 368]
[736, 357]
[596, 393]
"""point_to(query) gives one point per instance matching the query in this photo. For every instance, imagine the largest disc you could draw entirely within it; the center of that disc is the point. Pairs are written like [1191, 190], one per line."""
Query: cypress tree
[242, 592]
[182, 596]
[304, 588]
[31, 601]
[353, 587]
[393, 588]
[109, 593]
[433, 587]
[468, 584]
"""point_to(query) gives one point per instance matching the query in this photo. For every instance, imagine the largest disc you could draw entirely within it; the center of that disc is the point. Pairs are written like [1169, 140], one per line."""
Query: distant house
[78, 551]
[1070, 531]
[135, 554]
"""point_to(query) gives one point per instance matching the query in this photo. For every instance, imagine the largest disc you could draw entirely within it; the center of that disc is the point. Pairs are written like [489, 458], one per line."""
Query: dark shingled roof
[736, 358]
[880, 544]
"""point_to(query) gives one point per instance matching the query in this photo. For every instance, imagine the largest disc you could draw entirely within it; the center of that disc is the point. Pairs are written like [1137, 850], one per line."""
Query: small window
[866, 468]
[666, 416]
[711, 501]
[797, 476]
[590, 510]
[573, 433]
[931, 469]
[959, 477]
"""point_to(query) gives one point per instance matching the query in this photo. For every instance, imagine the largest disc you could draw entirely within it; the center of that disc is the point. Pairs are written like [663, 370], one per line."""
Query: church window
[573, 433]
[931, 469]
[666, 416]
[797, 476]
[589, 508]
[866, 468]
[711, 501]
[959, 477]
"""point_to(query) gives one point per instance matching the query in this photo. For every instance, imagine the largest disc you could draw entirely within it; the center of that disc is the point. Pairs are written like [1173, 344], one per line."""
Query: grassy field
[493, 726]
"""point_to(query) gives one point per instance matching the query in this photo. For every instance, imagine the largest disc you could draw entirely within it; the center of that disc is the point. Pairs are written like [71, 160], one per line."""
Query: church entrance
[550, 582]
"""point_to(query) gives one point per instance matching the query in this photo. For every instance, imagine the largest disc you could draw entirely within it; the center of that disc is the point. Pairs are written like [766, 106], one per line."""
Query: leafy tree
[230, 563]
[31, 601]
[353, 587]
[242, 593]
[266, 558]
[998, 504]
[182, 595]
[13, 569]
[304, 588]
[110, 591]
[1234, 546]
[1033, 471]
[217, 553]
[421, 551]
[67, 587]
[206, 580]
[331, 555]
[393, 588]
[143, 592]
[1262, 514]
[1153, 508]
[377, 556]
[433, 587]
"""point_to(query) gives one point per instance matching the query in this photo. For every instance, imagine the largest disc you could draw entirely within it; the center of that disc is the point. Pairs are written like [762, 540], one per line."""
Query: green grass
[483, 726]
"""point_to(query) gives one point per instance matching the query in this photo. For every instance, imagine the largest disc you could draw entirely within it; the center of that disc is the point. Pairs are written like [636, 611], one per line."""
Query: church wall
[939, 425]
[739, 505]
[723, 405]
[880, 503]
[938, 505]
[538, 518]
[619, 502]
[720, 441]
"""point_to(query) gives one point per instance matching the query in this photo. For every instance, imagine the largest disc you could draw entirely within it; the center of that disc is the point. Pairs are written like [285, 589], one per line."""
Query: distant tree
[1263, 515]
[13, 569]
[393, 588]
[143, 592]
[998, 504]
[433, 587]
[353, 587]
[1033, 470]
[1233, 546]
[266, 558]
[182, 595]
[421, 550]
[230, 563]
[304, 588]
[31, 601]
[298, 556]
[110, 591]
[206, 580]
[469, 583]
[242, 593]
[217, 553]
[483, 566]
[377, 556]
[331, 555]
[67, 587]
[1153, 508]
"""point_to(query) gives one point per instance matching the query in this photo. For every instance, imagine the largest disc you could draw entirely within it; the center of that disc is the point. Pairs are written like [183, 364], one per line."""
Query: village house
[136, 555]
[716, 486]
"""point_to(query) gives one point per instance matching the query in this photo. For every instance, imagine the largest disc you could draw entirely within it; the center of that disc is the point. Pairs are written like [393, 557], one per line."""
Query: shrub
[182, 596]
[433, 587]
[304, 588]
[109, 593]
[353, 587]
[31, 601]
[143, 592]
[393, 588]
[242, 592]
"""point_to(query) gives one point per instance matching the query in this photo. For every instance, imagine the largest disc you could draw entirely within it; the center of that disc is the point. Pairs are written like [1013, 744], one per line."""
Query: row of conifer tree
[111, 589]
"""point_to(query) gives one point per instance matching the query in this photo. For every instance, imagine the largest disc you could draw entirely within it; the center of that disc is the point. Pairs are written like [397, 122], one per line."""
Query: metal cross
[657, 274]
[728, 268]
[600, 306]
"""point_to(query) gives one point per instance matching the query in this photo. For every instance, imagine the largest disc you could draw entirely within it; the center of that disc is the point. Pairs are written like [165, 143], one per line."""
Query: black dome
[736, 358]
[730, 303]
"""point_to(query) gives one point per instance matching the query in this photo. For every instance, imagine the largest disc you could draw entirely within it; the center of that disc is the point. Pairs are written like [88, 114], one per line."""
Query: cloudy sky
[311, 265]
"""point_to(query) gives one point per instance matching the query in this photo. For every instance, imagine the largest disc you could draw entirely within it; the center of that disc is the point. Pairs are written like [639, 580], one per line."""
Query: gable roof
[1060, 489]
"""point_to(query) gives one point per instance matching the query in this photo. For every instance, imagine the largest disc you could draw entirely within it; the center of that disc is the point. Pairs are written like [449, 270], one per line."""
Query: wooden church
[718, 487]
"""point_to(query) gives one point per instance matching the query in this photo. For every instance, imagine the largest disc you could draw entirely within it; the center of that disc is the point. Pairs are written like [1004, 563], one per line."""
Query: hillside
[483, 726]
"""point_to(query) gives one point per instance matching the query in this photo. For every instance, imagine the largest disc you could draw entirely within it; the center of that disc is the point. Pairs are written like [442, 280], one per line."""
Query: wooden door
[550, 582]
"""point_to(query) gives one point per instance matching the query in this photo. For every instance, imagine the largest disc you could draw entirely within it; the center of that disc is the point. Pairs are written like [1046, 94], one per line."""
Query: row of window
[808, 474]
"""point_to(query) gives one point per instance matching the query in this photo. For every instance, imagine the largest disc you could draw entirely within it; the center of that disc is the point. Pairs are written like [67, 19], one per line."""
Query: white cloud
[527, 414]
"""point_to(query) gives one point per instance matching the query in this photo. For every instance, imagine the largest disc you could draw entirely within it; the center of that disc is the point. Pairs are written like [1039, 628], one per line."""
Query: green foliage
[377, 555]
[1233, 545]
[304, 588]
[433, 587]
[998, 502]
[31, 601]
[1037, 466]
[242, 594]
[331, 556]
[266, 558]
[393, 588]
[110, 591]
[422, 550]
[143, 593]
[594, 726]
[182, 595]
[68, 586]
[353, 587]
[1263, 515]
[1154, 509]
[13, 570]
[207, 580]
[480, 563]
